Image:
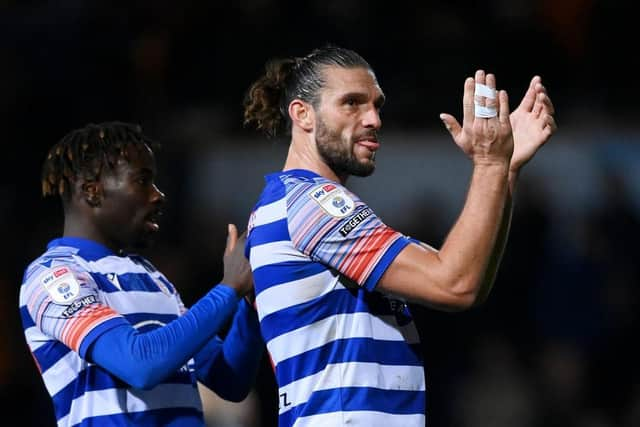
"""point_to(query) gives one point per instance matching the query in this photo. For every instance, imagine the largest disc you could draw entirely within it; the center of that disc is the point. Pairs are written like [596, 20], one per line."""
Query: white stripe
[353, 325]
[270, 213]
[354, 374]
[288, 294]
[63, 372]
[132, 302]
[274, 252]
[117, 265]
[106, 402]
[362, 419]
[35, 338]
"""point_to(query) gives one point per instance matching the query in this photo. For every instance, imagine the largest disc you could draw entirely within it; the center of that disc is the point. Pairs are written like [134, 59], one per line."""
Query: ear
[302, 114]
[91, 191]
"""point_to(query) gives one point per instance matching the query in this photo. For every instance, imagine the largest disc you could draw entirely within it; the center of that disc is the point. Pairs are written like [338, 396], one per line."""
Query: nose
[157, 196]
[371, 118]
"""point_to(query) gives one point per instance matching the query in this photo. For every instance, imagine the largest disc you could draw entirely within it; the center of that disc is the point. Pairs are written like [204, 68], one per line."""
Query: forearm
[501, 243]
[145, 359]
[472, 250]
[229, 368]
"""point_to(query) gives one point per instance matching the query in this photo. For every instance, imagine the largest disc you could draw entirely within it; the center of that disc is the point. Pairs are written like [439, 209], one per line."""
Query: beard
[338, 154]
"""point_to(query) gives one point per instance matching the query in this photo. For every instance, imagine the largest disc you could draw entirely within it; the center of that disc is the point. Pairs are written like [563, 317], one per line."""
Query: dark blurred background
[553, 346]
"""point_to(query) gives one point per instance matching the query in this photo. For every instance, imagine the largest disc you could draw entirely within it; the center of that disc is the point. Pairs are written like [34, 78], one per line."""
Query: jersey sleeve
[64, 302]
[332, 226]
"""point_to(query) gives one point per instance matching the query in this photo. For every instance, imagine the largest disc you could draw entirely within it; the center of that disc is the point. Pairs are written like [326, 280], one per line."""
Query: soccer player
[331, 279]
[108, 331]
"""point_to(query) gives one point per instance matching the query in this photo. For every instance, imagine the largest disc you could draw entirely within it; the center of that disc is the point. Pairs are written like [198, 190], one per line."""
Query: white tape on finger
[489, 93]
[485, 112]
[486, 91]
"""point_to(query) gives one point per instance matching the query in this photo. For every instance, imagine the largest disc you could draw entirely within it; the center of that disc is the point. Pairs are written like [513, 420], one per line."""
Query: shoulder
[60, 275]
[52, 262]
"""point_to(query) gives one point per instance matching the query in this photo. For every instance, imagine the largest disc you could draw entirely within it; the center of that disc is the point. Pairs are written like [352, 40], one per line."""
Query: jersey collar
[87, 249]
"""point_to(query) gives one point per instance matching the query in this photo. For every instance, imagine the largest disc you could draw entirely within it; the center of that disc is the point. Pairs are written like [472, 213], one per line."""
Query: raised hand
[484, 139]
[237, 270]
[532, 122]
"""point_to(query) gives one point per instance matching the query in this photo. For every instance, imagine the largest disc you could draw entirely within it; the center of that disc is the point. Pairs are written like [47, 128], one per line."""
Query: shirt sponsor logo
[354, 221]
[61, 285]
[60, 271]
[333, 199]
[79, 304]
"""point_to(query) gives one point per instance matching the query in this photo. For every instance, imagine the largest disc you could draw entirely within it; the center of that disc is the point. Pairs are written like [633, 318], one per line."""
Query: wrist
[501, 167]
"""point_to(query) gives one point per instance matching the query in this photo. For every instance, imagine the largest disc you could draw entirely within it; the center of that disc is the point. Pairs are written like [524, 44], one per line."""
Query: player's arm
[464, 268]
[145, 359]
[453, 277]
[532, 124]
[229, 367]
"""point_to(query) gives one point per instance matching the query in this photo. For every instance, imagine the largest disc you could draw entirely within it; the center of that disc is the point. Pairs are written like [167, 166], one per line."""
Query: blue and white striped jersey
[70, 295]
[343, 353]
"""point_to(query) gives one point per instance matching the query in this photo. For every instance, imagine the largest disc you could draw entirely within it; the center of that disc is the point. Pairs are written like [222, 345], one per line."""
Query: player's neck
[80, 226]
[303, 154]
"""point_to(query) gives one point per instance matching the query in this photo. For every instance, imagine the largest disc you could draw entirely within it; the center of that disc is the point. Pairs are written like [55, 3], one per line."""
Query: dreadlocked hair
[84, 152]
[267, 101]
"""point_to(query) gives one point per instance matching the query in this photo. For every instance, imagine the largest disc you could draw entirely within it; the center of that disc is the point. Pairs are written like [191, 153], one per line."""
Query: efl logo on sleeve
[61, 284]
[333, 199]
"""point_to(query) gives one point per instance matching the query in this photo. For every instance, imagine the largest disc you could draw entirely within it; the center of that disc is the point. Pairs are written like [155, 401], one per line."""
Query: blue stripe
[168, 284]
[129, 282]
[339, 301]
[385, 262]
[291, 318]
[358, 399]
[95, 378]
[274, 190]
[282, 272]
[170, 417]
[348, 350]
[49, 353]
[272, 232]
[90, 379]
[137, 282]
[27, 320]
[103, 283]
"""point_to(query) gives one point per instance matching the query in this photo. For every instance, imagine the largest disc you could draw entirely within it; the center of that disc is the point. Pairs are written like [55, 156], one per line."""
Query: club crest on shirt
[61, 284]
[333, 199]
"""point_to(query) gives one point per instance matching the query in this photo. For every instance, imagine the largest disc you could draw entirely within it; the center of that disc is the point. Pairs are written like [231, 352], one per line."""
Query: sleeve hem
[97, 331]
[385, 262]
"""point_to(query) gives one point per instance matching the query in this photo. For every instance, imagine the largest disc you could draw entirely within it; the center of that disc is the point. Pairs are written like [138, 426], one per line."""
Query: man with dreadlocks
[331, 279]
[109, 333]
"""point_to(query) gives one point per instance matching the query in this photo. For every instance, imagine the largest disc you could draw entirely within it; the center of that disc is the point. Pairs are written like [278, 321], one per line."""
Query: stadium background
[555, 343]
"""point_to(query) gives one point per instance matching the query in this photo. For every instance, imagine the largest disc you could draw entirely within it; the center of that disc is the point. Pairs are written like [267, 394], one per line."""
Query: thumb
[451, 124]
[232, 238]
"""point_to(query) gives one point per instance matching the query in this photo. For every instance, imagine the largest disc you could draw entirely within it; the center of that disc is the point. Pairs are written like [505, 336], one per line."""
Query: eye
[351, 102]
[143, 180]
